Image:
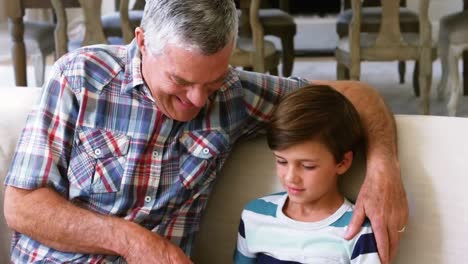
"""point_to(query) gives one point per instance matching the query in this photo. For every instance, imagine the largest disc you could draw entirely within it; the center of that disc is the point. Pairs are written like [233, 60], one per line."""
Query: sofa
[433, 153]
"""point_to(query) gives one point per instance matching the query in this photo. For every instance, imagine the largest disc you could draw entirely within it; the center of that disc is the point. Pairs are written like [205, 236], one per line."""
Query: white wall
[107, 6]
[438, 8]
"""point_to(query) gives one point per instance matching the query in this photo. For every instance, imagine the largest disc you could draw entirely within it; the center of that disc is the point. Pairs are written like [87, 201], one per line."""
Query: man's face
[181, 81]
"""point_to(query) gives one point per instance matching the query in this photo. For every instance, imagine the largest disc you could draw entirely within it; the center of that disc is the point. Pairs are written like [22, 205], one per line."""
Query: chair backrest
[369, 3]
[257, 35]
[137, 5]
[389, 44]
[389, 37]
[128, 31]
[94, 33]
[251, 48]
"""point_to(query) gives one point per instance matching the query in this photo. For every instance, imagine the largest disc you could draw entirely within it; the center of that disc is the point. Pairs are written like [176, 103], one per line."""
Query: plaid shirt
[99, 139]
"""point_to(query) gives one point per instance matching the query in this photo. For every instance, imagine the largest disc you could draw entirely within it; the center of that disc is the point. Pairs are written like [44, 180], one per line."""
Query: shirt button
[147, 199]
[97, 152]
[155, 154]
[206, 151]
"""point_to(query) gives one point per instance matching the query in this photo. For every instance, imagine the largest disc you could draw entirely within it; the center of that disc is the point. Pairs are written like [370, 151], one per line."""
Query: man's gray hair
[206, 26]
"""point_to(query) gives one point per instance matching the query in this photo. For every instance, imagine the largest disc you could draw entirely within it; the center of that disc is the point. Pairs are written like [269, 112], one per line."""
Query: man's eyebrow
[221, 78]
[181, 80]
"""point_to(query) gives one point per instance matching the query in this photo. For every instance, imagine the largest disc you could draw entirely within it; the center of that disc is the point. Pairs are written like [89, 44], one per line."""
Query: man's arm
[382, 196]
[47, 217]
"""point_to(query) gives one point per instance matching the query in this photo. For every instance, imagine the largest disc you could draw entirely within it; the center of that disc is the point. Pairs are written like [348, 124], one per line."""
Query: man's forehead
[187, 77]
[195, 67]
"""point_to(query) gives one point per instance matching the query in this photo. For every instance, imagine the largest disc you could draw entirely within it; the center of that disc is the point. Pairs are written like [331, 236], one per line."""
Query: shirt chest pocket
[98, 160]
[201, 154]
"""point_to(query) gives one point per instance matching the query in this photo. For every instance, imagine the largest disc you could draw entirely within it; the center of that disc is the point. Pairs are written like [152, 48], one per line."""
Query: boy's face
[309, 173]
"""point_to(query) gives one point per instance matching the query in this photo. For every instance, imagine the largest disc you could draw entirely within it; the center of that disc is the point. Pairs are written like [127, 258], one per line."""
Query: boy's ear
[344, 165]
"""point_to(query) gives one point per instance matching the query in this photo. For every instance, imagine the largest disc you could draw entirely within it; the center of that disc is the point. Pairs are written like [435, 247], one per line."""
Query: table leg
[18, 50]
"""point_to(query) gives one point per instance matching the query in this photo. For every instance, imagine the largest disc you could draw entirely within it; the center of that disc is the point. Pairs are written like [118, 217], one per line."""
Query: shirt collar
[133, 76]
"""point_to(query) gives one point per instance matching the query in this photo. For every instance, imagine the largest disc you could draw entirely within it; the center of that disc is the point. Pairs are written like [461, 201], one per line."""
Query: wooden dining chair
[252, 50]
[452, 42]
[388, 44]
[35, 38]
[279, 23]
[94, 31]
[122, 22]
[370, 22]
[39, 44]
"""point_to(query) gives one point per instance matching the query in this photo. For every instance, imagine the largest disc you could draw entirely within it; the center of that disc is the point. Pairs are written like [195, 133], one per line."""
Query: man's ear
[344, 165]
[140, 39]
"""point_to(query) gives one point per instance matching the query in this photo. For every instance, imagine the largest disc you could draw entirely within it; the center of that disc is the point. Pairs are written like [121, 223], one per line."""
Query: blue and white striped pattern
[266, 235]
[99, 139]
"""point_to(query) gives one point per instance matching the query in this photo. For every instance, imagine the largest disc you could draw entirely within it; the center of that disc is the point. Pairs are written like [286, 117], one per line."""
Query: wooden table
[15, 12]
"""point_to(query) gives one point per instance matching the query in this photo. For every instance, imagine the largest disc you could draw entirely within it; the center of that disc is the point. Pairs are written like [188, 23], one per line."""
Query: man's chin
[185, 117]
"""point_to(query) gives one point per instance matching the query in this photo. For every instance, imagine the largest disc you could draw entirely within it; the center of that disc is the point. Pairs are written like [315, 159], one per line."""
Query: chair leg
[443, 51]
[274, 71]
[452, 63]
[342, 72]
[465, 72]
[425, 78]
[401, 71]
[288, 55]
[354, 71]
[416, 79]
[38, 61]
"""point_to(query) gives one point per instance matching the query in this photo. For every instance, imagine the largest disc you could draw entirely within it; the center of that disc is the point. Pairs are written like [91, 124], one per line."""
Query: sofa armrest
[15, 104]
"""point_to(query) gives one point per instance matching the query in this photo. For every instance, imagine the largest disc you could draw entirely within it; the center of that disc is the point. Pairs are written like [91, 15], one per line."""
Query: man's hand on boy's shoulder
[382, 199]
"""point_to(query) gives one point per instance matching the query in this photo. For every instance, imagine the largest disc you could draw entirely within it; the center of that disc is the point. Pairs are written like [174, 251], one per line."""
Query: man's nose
[197, 95]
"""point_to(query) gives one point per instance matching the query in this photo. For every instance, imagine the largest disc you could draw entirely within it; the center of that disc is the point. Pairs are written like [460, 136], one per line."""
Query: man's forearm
[50, 219]
[376, 118]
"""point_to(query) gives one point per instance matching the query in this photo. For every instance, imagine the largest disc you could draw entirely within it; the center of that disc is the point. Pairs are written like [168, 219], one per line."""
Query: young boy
[314, 134]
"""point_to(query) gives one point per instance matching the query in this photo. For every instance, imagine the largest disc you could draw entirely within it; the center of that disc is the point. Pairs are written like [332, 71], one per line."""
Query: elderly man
[118, 161]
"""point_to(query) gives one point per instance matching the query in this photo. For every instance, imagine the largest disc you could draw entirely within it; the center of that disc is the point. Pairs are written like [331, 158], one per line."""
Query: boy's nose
[291, 175]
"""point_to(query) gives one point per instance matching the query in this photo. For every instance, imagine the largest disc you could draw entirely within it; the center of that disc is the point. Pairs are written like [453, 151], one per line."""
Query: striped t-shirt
[267, 235]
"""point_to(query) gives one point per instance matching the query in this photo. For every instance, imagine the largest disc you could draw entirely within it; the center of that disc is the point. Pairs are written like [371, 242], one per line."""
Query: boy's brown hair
[316, 112]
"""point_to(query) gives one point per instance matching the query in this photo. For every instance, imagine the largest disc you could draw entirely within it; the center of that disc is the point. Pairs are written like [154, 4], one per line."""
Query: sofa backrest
[432, 150]
[433, 153]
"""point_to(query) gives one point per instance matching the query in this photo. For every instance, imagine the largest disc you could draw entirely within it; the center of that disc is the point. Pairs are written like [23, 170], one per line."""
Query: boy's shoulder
[345, 218]
[266, 205]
